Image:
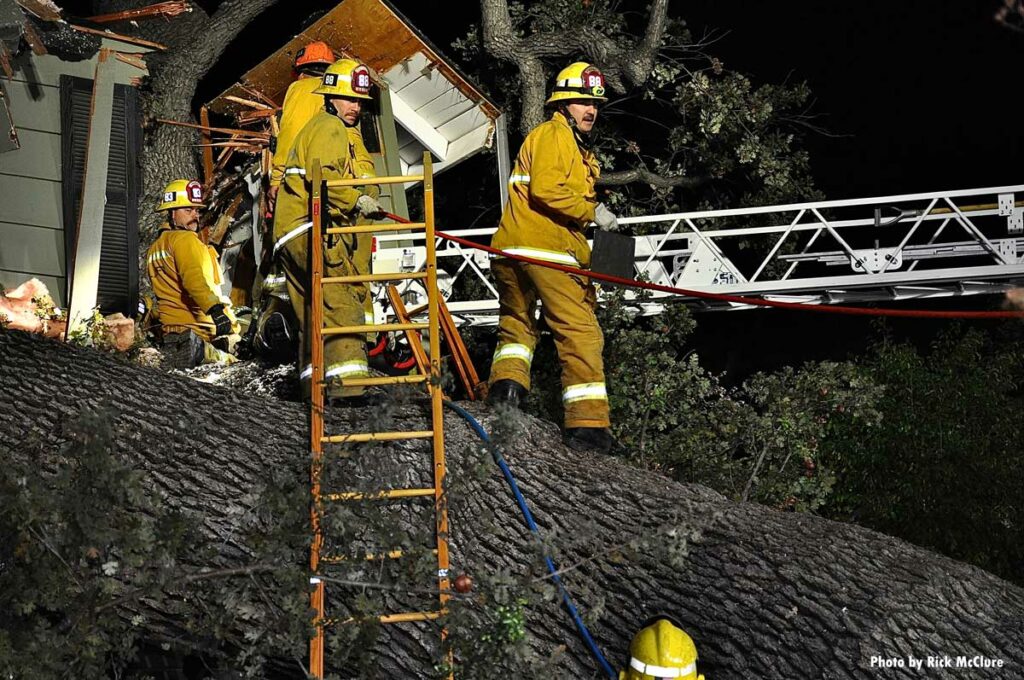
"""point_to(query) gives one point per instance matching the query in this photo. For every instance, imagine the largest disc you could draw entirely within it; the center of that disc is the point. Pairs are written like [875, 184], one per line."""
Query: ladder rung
[379, 495]
[407, 617]
[370, 557]
[389, 380]
[366, 278]
[403, 617]
[373, 181]
[374, 228]
[376, 437]
[374, 327]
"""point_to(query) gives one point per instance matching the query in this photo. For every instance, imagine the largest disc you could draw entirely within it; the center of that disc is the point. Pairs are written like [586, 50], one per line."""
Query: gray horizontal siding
[55, 284]
[34, 107]
[34, 202]
[38, 157]
[31, 249]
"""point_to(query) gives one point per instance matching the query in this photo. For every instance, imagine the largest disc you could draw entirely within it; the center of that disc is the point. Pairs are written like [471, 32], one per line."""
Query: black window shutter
[118, 288]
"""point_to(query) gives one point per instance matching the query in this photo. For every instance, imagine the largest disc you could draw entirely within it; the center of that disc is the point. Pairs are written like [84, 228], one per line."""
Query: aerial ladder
[426, 275]
[890, 248]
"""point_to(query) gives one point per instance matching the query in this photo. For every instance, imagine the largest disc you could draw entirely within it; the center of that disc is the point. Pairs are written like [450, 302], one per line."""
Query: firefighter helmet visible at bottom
[662, 649]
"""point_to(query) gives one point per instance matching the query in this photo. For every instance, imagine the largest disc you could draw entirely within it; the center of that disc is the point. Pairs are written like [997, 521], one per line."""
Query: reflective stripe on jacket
[300, 105]
[326, 139]
[551, 195]
[186, 281]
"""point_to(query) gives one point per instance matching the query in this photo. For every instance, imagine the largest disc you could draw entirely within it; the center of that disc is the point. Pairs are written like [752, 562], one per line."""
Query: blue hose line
[528, 516]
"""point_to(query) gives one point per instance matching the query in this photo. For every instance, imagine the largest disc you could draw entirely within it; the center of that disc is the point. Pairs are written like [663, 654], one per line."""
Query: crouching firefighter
[661, 649]
[327, 139]
[551, 201]
[194, 316]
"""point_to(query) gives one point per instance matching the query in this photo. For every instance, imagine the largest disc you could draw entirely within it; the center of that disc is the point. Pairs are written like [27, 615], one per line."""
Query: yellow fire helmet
[346, 78]
[578, 81]
[662, 649]
[182, 193]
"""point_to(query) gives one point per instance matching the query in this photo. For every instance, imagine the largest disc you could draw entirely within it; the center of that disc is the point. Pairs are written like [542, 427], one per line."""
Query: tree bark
[195, 42]
[765, 594]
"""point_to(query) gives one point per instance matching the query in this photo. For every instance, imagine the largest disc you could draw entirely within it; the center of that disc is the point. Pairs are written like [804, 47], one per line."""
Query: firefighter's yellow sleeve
[300, 105]
[329, 144]
[553, 151]
[363, 162]
[195, 267]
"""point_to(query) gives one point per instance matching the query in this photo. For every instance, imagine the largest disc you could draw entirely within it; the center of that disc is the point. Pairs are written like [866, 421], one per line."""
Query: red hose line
[738, 299]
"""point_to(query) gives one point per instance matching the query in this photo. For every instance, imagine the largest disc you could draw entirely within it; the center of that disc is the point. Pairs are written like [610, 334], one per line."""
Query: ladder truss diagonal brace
[906, 239]
[778, 244]
[935, 236]
[969, 227]
[713, 247]
[664, 240]
[810, 242]
[842, 242]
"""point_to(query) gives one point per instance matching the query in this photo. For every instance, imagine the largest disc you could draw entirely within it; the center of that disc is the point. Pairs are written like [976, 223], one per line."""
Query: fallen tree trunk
[765, 594]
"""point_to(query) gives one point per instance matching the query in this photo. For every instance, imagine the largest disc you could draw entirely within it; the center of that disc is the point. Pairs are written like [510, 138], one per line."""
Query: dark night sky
[919, 90]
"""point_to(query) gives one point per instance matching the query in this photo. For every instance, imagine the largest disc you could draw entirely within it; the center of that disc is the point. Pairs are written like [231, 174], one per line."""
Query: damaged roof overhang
[436, 107]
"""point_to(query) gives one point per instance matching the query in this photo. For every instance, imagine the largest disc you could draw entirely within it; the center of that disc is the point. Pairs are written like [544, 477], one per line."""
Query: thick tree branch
[654, 179]
[623, 65]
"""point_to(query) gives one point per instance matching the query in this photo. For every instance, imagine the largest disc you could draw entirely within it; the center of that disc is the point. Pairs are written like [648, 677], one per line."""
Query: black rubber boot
[597, 439]
[506, 392]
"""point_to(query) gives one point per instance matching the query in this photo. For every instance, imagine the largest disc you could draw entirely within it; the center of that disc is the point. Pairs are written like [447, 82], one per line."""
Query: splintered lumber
[119, 37]
[131, 59]
[226, 131]
[160, 9]
[44, 9]
[248, 102]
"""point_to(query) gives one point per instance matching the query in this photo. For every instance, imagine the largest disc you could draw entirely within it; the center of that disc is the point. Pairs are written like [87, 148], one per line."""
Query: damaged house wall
[49, 98]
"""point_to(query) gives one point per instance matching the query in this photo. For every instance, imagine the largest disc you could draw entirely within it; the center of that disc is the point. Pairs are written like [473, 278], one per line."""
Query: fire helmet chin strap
[329, 107]
[584, 139]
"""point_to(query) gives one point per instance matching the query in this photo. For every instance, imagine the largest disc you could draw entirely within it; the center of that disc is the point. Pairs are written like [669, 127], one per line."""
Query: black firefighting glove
[221, 320]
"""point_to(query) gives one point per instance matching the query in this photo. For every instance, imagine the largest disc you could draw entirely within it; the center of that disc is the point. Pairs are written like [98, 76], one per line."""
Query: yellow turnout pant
[567, 304]
[344, 355]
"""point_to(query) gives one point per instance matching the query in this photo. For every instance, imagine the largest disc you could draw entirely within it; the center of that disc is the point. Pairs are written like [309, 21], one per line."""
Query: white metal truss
[914, 246]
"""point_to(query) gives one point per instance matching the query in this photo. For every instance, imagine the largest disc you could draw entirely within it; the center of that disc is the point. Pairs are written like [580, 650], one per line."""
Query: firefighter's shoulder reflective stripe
[582, 391]
[513, 350]
[559, 257]
[519, 179]
[158, 255]
[295, 171]
[660, 671]
[292, 234]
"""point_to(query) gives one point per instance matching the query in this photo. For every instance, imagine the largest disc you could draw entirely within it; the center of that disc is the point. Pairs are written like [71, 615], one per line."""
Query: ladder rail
[430, 375]
[701, 251]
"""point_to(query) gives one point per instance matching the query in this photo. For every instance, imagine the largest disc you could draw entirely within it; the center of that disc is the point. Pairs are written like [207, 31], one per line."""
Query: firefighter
[301, 104]
[661, 649]
[274, 330]
[345, 87]
[186, 278]
[551, 201]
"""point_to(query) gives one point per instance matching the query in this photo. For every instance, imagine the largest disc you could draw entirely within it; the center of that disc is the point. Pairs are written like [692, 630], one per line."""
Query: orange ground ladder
[318, 438]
